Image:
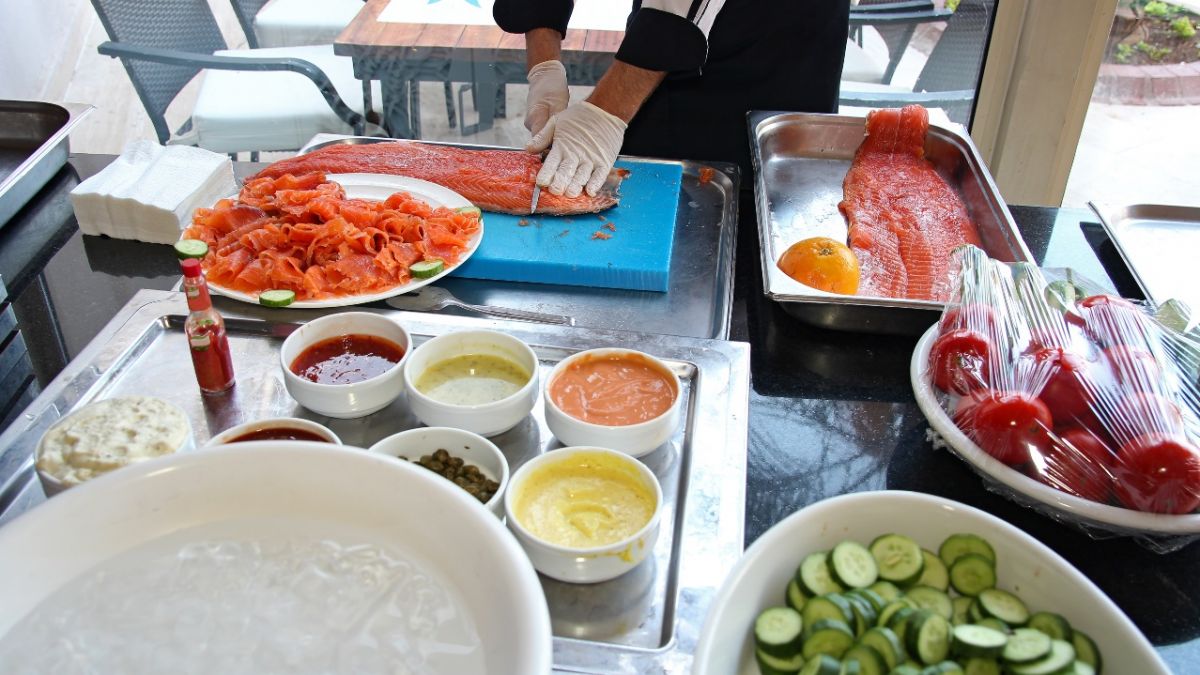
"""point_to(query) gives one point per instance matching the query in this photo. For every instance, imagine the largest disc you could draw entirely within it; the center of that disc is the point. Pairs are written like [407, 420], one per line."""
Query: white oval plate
[1108, 518]
[316, 491]
[1040, 576]
[379, 187]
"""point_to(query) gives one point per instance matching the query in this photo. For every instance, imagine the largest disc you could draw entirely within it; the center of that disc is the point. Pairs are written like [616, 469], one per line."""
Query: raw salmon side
[493, 180]
[904, 219]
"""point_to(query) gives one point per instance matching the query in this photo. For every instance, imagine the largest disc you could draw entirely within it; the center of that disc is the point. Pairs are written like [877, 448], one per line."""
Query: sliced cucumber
[898, 558]
[853, 565]
[770, 665]
[877, 601]
[957, 545]
[1026, 645]
[886, 590]
[427, 268]
[828, 606]
[190, 248]
[944, 668]
[828, 636]
[276, 298]
[1060, 658]
[1004, 606]
[932, 599]
[815, 576]
[934, 574]
[864, 614]
[885, 616]
[981, 667]
[962, 605]
[928, 638]
[1081, 668]
[1086, 651]
[777, 632]
[469, 210]
[994, 624]
[850, 668]
[884, 641]
[906, 669]
[971, 640]
[870, 662]
[972, 574]
[1051, 624]
[823, 664]
[795, 596]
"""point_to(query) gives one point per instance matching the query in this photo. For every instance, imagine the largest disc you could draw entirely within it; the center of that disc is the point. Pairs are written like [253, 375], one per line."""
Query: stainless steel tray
[1158, 243]
[645, 621]
[800, 161]
[699, 300]
[33, 147]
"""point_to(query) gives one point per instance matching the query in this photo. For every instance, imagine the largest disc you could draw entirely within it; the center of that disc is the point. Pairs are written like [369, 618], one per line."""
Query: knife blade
[537, 192]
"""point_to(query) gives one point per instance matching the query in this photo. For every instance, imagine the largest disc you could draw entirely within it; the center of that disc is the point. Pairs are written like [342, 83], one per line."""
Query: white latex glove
[586, 142]
[547, 96]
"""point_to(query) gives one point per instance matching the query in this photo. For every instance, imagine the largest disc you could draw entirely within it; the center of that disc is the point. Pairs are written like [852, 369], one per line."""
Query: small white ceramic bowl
[345, 400]
[472, 448]
[488, 419]
[584, 565]
[227, 436]
[633, 439]
[52, 484]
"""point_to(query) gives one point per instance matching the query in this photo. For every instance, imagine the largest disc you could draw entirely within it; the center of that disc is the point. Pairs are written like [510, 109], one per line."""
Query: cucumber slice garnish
[932, 599]
[276, 298]
[1086, 651]
[469, 210]
[981, 667]
[870, 662]
[427, 268]
[962, 605]
[886, 590]
[1026, 645]
[898, 558]
[796, 597]
[1002, 605]
[815, 576]
[929, 638]
[884, 641]
[1061, 657]
[957, 545]
[828, 636]
[190, 248]
[1051, 624]
[828, 606]
[853, 565]
[935, 573]
[972, 640]
[823, 664]
[777, 632]
[972, 573]
[770, 665]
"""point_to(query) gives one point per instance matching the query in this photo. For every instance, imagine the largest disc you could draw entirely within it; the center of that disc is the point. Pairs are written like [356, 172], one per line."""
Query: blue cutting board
[562, 250]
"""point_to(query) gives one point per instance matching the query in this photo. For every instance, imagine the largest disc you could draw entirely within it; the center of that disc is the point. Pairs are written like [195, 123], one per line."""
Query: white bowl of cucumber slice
[893, 582]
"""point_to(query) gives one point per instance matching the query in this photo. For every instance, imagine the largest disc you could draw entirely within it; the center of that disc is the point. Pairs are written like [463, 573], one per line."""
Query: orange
[822, 263]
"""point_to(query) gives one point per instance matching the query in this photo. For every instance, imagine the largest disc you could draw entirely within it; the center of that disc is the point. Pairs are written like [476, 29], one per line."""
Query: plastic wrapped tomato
[1086, 392]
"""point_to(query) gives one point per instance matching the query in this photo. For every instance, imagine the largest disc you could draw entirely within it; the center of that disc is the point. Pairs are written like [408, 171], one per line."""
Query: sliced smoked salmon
[302, 234]
[494, 180]
[904, 218]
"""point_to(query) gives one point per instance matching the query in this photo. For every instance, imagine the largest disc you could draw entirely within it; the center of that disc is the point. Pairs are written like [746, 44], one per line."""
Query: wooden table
[400, 55]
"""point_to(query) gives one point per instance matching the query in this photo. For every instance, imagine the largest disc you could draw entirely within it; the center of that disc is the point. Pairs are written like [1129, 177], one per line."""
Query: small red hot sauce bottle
[205, 331]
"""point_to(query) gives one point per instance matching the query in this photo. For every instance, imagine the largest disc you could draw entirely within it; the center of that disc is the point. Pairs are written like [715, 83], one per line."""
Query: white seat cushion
[290, 23]
[240, 111]
[861, 65]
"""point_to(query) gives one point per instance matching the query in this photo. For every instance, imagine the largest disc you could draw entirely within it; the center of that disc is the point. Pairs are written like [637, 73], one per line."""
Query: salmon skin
[904, 218]
[493, 180]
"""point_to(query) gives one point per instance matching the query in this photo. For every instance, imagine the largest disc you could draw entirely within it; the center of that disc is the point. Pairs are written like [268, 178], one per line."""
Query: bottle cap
[191, 267]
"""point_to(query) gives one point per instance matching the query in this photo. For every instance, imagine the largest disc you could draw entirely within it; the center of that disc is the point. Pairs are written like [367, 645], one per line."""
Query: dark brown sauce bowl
[281, 428]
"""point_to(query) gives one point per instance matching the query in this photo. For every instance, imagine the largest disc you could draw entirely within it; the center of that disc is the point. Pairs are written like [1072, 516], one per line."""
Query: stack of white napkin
[150, 192]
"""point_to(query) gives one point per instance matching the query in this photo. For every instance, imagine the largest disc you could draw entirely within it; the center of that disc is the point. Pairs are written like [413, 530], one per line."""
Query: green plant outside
[1158, 9]
[1183, 27]
[1124, 53]
[1155, 53]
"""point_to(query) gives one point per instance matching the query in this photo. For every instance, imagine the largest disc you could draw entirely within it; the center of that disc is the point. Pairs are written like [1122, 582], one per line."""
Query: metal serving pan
[1158, 243]
[33, 147]
[645, 621]
[800, 161]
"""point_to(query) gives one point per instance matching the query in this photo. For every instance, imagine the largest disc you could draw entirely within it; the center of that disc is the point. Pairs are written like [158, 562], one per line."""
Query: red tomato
[971, 316]
[1132, 367]
[1009, 426]
[1158, 473]
[1067, 390]
[959, 360]
[1106, 300]
[1111, 320]
[1079, 464]
[1143, 412]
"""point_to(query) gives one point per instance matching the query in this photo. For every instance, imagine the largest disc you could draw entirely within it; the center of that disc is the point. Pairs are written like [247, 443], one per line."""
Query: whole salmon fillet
[493, 180]
[904, 218]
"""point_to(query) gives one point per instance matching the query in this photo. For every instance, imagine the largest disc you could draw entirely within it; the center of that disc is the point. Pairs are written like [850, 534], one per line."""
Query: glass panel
[917, 51]
[1139, 142]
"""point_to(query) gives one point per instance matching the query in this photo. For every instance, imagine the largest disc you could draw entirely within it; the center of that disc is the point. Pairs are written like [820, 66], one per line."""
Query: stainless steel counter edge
[712, 527]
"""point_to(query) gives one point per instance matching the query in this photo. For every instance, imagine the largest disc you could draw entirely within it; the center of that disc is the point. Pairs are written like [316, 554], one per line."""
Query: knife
[537, 192]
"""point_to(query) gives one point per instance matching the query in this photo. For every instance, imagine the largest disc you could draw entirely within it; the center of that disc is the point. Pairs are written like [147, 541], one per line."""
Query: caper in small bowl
[466, 459]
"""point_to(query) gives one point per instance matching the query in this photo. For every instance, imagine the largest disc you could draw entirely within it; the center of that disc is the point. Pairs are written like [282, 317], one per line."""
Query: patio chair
[294, 23]
[951, 74]
[249, 100]
[896, 36]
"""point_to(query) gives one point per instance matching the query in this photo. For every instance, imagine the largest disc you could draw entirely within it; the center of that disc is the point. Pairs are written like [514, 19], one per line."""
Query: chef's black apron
[763, 55]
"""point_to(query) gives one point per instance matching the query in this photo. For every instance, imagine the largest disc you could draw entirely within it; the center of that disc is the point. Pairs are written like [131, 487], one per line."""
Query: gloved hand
[547, 96]
[586, 142]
